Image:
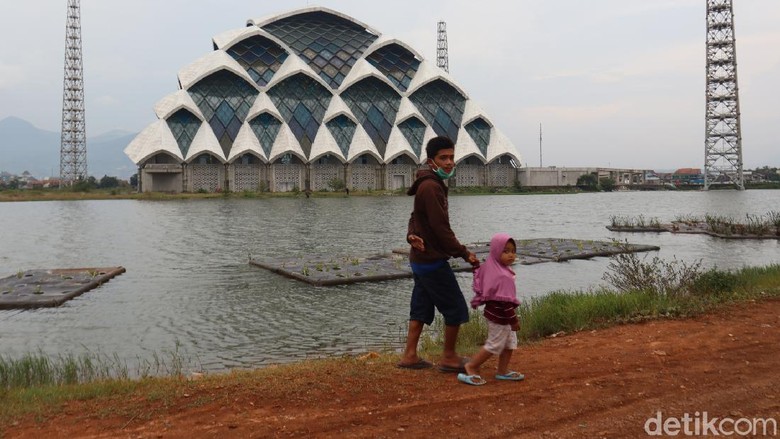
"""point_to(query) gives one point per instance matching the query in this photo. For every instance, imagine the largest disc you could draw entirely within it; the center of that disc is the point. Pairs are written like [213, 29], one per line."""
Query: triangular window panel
[375, 104]
[302, 102]
[224, 99]
[442, 106]
[184, 125]
[266, 128]
[343, 131]
[260, 57]
[479, 130]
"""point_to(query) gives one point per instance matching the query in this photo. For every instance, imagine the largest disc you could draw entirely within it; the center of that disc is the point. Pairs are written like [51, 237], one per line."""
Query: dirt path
[603, 383]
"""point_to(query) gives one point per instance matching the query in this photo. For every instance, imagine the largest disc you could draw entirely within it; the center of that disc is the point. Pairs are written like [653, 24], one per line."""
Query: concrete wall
[560, 177]
[280, 177]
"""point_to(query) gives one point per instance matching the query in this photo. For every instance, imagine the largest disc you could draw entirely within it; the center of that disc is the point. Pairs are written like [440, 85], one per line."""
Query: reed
[39, 369]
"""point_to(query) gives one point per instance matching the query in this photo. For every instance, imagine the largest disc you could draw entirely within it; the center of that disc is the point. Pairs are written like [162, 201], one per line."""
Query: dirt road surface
[594, 384]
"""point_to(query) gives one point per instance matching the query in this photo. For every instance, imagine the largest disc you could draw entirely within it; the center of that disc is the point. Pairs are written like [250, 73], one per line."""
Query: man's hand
[416, 242]
[473, 260]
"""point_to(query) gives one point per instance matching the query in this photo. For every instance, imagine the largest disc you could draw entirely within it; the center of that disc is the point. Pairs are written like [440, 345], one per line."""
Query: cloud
[107, 101]
[11, 76]
[572, 114]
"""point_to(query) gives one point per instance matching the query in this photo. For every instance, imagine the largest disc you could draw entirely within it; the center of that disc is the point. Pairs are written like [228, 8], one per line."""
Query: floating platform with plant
[339, 270]
[754, 227]
[47, 288]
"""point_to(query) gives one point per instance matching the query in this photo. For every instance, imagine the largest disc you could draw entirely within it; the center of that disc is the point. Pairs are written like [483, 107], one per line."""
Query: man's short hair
[436, 144]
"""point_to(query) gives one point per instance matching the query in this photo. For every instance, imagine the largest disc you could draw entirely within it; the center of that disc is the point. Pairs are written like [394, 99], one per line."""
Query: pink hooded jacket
[493, 281]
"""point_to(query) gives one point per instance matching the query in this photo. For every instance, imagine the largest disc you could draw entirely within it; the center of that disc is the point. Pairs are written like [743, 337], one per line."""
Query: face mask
[444, 175]
[440, 172]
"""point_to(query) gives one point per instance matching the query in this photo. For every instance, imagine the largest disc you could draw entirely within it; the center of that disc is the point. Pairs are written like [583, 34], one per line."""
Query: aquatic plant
[627, 272]
[688, 219]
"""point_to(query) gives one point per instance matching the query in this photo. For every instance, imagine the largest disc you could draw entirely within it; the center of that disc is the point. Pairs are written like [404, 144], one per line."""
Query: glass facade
[343, 129]
[302, 102]
[414, 131]
[479, 130]
[292, 66]
[395, 62]
[224, 99]
[375, 104]
[442, 106]
[329, 44]
[184, 125]
[266, 128]
[260, 57]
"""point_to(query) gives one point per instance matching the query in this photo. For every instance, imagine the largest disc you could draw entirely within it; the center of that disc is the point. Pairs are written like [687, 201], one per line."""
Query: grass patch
[569, 312]
[38, 369]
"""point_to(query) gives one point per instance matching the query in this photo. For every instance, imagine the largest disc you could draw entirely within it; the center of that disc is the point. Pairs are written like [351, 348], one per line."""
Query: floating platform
[48, 288]
[339, 270]
[735, 231]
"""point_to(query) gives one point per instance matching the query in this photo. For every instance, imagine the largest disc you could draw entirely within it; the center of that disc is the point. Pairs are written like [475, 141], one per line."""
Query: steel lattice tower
[442, 57]
[73, 145]
[723, 136]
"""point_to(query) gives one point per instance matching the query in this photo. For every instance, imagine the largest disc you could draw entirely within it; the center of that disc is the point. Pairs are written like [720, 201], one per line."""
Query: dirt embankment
[603, 383]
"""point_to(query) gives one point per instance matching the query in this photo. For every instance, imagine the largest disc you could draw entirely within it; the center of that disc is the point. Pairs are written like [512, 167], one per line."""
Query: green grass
[38, 369]
[569, 312]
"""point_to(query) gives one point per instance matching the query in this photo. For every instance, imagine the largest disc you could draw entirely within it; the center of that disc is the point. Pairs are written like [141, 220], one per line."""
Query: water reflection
[188, 280]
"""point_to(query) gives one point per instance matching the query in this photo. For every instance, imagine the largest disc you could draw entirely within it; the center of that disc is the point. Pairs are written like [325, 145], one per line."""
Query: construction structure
[442, 54]
[313, 99]
[723, 137]
[73, 144]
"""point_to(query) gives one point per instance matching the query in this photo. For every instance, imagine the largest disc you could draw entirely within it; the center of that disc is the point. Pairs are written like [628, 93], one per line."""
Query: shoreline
[22, 195]
[600, 383]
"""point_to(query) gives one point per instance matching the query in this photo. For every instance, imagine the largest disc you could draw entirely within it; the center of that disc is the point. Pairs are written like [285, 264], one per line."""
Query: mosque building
[308, 98]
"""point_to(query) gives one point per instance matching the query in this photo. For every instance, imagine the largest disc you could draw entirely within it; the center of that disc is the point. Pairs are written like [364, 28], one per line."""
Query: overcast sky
[615, 83]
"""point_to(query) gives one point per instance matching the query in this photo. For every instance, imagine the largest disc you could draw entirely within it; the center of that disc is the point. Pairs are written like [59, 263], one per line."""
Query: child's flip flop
[472, 380]
[511, 376]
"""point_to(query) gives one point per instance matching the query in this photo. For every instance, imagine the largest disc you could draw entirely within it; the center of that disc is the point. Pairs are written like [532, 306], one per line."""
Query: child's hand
[515, 326]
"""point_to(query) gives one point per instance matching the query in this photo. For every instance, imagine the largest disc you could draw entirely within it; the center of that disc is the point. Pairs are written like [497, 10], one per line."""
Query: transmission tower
[723, 136]
[73, 144]
[442, 57]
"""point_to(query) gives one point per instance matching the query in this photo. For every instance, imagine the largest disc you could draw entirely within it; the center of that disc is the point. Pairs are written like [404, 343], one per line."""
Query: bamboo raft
[48, 288]
[340, 270]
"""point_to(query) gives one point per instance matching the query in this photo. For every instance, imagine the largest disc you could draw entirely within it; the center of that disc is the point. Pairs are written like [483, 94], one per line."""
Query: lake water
[188, 281]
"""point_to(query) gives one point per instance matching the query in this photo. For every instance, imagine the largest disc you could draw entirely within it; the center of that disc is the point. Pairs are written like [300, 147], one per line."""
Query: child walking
[494, 287]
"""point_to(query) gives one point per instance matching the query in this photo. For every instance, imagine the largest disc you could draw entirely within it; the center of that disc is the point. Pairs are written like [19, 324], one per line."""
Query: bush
[84, 185]
[108, 182]
[588, 182]
[672, 278]
[715, 282]
[607, 184]
[336, 184]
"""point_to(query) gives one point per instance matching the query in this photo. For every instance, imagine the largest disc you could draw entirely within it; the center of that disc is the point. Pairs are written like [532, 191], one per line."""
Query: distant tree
[84, 185]
[588, 182]
[607, 184]
[13, 184]
[108, 182]
[336, 184]
[134, 180]
[769, 174]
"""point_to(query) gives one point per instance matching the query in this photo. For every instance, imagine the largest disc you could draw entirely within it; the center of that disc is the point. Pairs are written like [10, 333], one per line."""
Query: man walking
[433, 243]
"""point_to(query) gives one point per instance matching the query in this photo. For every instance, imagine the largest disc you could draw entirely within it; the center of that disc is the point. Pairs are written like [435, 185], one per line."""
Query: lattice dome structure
[301, 99]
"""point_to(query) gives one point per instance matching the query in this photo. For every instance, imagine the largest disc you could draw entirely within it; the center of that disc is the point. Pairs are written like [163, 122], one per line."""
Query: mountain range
[24, 147]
